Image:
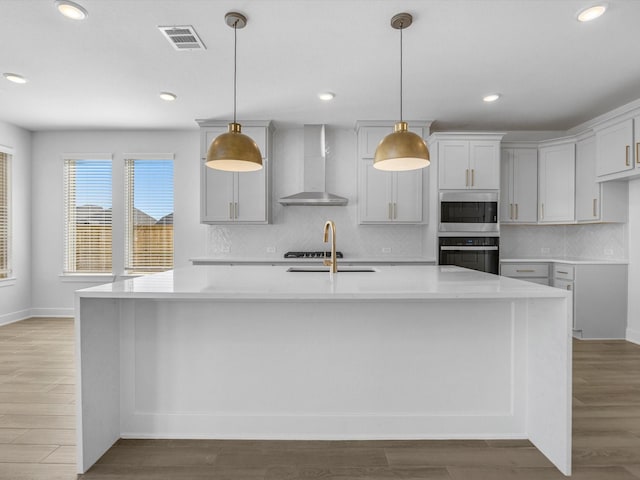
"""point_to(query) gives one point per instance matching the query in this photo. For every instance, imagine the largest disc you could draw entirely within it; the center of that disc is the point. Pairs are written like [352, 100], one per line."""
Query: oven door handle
[469, 249]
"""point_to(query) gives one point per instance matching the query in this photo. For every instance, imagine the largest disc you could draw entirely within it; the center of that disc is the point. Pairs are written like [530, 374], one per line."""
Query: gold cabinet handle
[564, 273]
[569, 287]
[395, 210]
[595, 207]
[466, 177]
[541, 211]
[473, 177]
[511, 211]
[231, 210]
[236, 210]
[627, 148]
[525, 271]
[516, 211]
[638, 152]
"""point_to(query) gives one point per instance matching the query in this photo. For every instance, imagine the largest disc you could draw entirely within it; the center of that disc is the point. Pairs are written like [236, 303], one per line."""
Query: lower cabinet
[599, 293]
[599, 298]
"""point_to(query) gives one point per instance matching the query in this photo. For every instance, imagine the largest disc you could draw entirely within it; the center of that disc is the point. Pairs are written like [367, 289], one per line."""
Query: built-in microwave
[468, 212]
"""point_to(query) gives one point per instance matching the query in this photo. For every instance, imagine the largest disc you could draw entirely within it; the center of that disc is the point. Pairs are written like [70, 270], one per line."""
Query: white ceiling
[107, 71]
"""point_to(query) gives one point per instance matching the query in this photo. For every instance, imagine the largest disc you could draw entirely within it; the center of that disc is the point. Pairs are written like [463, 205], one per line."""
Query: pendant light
[401, 150]
[234, 151]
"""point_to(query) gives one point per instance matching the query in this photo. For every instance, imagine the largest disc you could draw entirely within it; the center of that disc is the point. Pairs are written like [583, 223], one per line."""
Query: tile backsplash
[587, 241]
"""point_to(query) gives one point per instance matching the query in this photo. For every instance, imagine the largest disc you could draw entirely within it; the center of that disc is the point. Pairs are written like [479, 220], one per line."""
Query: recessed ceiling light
[491, 98]
[15, 78]
[71, 10]
[591, 13]
[326, 96]
[168, 96]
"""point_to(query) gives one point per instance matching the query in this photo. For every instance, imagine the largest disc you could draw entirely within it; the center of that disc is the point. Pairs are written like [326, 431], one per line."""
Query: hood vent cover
[182, 38]
[314, 193]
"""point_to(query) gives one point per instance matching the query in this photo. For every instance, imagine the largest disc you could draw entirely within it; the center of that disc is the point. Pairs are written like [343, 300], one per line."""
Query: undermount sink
[326, 269]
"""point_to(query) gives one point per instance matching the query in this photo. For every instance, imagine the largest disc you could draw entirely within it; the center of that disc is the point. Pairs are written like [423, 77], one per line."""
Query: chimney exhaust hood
[314, 193]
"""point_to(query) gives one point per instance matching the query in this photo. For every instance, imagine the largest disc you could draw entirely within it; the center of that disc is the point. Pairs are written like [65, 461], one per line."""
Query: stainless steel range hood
[314, 192]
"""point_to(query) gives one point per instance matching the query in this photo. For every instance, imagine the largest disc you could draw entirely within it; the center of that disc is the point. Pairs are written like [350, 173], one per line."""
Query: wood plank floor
[37, 430]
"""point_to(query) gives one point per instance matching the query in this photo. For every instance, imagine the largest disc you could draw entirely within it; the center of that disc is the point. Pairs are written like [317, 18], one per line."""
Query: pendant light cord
[235, 67]
[401, 28]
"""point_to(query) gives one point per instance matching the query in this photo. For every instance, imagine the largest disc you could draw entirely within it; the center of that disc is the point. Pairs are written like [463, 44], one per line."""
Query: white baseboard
[52, 312]
[13, 317]
[633, 336]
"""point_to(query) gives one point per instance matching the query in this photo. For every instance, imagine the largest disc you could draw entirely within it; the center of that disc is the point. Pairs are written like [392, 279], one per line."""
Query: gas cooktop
[311, 254]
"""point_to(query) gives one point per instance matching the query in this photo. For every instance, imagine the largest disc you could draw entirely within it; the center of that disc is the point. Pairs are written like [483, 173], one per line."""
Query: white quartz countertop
[262, 282]
[568, 260]
[317, 261]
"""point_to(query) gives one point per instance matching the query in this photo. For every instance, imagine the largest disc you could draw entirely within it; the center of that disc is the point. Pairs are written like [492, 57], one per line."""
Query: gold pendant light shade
[234, 151]
[401, 150]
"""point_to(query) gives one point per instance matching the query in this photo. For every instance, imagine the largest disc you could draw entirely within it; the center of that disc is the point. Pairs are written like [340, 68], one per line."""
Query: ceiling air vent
[183, 37]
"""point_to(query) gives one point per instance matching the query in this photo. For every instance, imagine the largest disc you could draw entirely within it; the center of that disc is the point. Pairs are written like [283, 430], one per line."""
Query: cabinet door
[484, 165]
[453, 165]
[370, 137]
[506, 186]
[408, 196]
[217, 195]
[376, 206]
[557, 183]
[251, 201]
[525, 185]
[587, 189]
[614, 148]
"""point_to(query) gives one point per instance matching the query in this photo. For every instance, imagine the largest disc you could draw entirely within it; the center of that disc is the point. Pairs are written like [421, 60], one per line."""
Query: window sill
[7, 282]
[87, 277]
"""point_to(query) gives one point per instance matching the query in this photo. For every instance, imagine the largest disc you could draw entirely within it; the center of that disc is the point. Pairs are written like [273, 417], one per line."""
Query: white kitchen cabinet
[599, 298]
[597, 201]
[388, 197]
[530, 272]
[235, 197]
[618, 147]
[519, 185]
[468, 161]
[556, 182]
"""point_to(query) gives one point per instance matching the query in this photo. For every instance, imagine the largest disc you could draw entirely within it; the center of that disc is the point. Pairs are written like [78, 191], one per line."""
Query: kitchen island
[401, 352]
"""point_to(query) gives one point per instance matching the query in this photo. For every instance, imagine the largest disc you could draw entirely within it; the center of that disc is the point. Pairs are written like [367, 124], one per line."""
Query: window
[148, 215]
[87, 210]
[5, 225]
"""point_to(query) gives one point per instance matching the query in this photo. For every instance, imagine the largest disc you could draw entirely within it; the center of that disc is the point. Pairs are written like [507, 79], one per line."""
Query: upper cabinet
[597, 201]
[556, 181]
[235, 197]
[618, 148]
[518, 184]
[388, 197]
[467, 161]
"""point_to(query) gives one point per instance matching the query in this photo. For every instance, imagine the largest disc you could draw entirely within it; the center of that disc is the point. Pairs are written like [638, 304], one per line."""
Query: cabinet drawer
[563, 284]
[525, 270]
[563, 271]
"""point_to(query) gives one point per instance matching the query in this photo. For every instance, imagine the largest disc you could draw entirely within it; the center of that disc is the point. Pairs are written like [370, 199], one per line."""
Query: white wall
[52, 295]
[633, 322]
[15, 299]
[298, 228]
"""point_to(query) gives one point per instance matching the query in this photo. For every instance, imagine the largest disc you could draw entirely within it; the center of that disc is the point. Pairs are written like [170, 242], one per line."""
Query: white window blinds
[149, 215]
[5, 237]
[87, 210]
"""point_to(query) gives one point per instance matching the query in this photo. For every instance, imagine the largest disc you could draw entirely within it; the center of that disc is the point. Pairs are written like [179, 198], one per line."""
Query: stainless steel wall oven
[476, 253]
